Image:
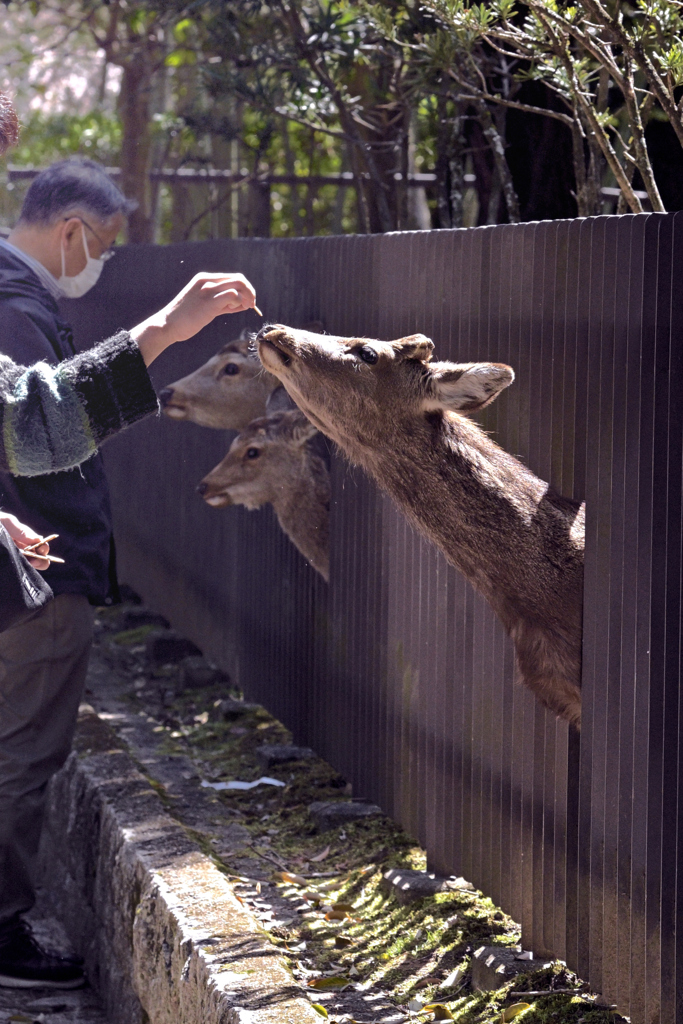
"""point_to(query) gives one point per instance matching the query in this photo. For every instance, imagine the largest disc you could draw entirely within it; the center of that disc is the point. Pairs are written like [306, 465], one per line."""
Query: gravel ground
[37, 1005]
[354, 949]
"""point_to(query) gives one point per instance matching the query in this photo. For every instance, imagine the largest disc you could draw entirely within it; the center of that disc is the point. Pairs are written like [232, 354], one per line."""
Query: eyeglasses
[107, 251]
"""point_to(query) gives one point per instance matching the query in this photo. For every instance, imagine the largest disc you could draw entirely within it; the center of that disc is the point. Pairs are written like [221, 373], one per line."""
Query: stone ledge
[165, 940]
[492, 966]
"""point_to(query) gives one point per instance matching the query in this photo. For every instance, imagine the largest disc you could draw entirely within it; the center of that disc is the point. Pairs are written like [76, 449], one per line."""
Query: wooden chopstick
[39, 543]
[46, 558]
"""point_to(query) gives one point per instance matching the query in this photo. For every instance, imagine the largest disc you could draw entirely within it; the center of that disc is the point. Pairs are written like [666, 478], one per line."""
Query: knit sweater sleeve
[55, 416]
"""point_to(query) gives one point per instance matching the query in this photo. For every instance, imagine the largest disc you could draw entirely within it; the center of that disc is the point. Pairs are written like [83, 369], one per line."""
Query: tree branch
[527, 108]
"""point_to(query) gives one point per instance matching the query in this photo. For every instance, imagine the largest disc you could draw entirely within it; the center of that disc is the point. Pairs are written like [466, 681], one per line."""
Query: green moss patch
[350, 924]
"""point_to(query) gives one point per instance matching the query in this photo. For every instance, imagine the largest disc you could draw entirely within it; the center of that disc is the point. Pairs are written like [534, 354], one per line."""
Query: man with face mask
[71, 216]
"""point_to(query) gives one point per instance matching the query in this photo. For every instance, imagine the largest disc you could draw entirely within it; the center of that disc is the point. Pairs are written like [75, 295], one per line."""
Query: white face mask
[75, 287]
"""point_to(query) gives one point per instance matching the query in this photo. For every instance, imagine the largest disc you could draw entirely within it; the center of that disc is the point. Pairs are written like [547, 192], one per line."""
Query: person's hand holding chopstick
[34, 547]
[205, 297]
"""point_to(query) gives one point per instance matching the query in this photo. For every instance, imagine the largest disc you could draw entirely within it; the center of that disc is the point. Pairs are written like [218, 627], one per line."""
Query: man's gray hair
[71, 185]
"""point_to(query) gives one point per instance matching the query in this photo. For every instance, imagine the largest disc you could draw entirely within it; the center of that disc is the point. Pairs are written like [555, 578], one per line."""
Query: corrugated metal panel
[398, 672]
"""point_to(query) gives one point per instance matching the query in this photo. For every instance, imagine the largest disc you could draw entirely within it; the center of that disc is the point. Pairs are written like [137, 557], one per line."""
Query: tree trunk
[497, 145]
[182, 211]
[450, 163]
[259, 209]
[135, 111]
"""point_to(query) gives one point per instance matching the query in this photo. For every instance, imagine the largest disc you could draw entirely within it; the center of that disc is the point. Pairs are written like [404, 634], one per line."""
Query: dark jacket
[74, 504]
[55, 417]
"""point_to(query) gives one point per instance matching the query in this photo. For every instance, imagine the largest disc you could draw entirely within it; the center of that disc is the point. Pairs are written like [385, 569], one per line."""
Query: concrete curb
[165, 940]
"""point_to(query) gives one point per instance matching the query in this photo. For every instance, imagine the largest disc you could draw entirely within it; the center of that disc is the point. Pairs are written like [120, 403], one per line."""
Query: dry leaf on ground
[337, 981]
[285, 876]
[440, 1011]
[512, 1011]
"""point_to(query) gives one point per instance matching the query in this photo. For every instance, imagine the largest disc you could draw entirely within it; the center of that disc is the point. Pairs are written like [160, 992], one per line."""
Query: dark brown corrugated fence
[398, 672]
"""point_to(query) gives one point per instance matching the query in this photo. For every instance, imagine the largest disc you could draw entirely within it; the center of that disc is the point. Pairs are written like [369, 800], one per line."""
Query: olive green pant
[43, 664]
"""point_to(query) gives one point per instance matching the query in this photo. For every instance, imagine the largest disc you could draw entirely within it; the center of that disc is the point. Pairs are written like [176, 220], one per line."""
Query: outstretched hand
[24, 537]
[205, 297]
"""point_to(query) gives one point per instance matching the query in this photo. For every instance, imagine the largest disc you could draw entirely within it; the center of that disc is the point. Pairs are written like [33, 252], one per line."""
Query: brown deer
[404, 420]
[272, 461]
[226, 393]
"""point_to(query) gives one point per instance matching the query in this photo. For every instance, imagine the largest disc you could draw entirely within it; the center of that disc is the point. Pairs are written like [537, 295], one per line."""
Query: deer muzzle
[275, 347]
[213, 495]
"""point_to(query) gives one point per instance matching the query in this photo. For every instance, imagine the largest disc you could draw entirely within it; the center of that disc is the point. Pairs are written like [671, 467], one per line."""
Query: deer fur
[271, 461]
[404, 419]
[226, 393]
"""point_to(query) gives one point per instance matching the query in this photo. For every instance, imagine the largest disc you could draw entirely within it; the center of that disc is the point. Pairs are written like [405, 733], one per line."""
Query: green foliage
[379, 89]
[45, 139]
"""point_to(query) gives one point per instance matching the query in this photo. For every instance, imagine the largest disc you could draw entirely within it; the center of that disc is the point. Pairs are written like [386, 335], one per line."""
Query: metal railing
[398, 672]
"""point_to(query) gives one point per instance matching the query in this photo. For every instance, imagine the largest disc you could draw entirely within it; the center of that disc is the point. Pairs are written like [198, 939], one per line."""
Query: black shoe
[24, 964]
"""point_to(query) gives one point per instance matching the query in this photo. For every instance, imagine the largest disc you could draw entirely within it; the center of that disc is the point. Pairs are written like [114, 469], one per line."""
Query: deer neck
[492, 518]
[302, 508]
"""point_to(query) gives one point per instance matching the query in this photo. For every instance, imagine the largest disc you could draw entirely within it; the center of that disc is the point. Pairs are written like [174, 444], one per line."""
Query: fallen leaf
[348, 907]
[341, 942]
[416, 1005]
[337, 915]
[320, 1009]
[426, 982]
[312, 897]
[513, 1010]
[337, 981]
[285, 876]
[440, 1011]
[321, 856]
[453, 978]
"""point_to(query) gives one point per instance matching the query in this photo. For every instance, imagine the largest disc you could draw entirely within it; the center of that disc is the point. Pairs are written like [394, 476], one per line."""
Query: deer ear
[292, 424]
[303, 430]
[416, 346]
[466, 387]
[245, 341]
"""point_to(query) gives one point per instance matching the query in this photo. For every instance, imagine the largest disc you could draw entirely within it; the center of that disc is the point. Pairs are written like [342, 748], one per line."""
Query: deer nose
[202, 488]
[165, 395]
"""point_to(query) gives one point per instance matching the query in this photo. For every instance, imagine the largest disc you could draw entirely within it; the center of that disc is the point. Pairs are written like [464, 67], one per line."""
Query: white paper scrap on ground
[236, 784]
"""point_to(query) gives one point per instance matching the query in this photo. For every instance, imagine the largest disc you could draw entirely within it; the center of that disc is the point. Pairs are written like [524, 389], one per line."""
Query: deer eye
[368, 355]
[230, 369]
[253, 453]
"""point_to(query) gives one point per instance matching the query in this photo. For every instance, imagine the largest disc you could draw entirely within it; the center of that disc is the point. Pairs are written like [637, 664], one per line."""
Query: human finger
[33, 554]
[41, 564]
[232, 285]
[22, 535]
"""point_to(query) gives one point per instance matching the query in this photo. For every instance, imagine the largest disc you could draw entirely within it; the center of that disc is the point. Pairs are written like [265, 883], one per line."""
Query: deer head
[226, 393]
[260, 462]
[352, 388]
[271, 462]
